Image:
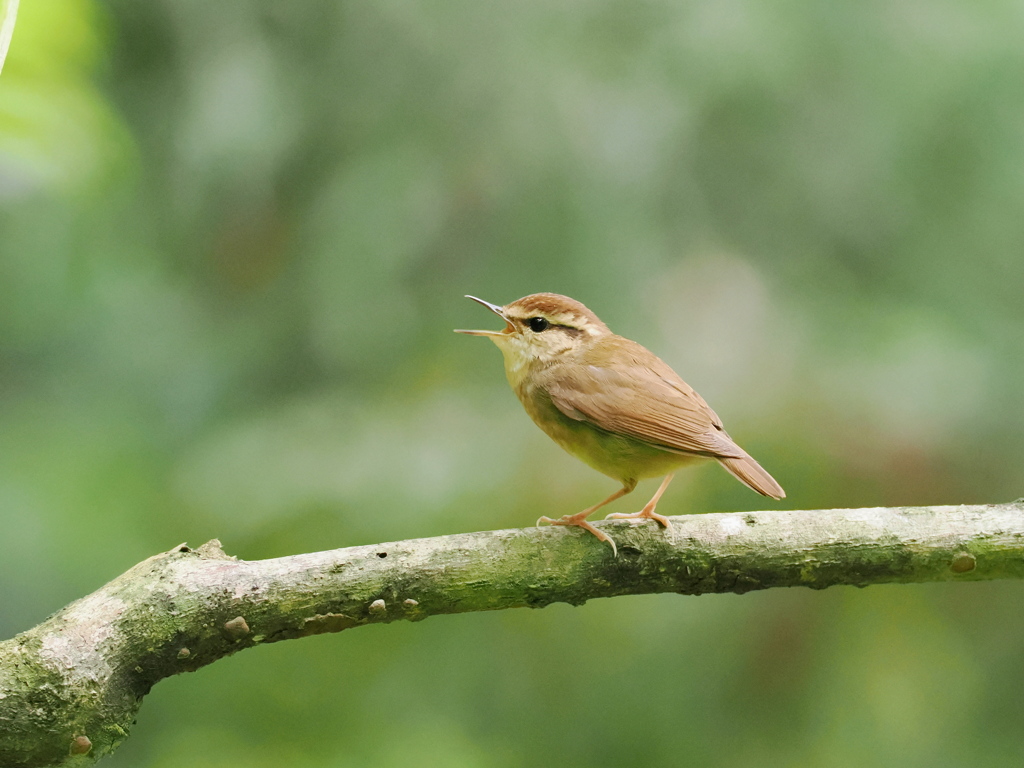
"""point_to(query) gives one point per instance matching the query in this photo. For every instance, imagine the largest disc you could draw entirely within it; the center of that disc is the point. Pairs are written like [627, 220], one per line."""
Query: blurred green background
[234, 240]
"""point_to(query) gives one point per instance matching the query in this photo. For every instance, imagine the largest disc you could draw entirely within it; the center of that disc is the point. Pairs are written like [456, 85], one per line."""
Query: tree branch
[70, 687]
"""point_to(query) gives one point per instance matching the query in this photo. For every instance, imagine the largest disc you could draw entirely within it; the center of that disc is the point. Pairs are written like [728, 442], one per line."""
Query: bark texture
[71, 686]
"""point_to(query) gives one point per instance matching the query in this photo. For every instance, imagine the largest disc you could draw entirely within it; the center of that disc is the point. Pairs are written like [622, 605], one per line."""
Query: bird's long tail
[753, 474]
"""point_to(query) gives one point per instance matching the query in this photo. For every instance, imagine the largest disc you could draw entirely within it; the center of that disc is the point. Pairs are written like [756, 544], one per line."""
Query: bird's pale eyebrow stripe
[572, 330]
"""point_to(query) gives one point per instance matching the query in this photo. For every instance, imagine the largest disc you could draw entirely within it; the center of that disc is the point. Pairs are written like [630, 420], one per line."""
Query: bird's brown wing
[640, 397]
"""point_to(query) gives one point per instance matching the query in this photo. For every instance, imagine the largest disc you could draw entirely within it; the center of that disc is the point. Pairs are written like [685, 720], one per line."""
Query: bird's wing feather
[643, 399]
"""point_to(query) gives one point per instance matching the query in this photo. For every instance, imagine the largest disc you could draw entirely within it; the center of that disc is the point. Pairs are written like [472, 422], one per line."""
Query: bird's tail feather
[753, 474]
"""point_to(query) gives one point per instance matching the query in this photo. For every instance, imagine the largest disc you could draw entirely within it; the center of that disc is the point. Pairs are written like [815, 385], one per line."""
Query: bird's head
[541, 327]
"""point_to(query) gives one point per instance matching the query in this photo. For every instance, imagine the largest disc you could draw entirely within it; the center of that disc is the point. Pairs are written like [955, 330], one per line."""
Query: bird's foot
[580, 520]
[643, 514]
[648, 512]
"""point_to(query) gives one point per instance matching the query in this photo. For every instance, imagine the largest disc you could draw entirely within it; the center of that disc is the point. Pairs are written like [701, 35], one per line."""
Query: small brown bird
[610, 402]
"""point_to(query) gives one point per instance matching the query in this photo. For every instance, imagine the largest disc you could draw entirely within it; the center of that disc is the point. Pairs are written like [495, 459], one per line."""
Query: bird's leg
[648, 510]
[580, 518]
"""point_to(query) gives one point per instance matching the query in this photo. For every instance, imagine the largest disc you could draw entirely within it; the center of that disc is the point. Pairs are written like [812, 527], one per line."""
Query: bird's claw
[580, 522]
[642, 515]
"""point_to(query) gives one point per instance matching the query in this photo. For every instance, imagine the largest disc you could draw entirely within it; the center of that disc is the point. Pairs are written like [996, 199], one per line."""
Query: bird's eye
[538, 324]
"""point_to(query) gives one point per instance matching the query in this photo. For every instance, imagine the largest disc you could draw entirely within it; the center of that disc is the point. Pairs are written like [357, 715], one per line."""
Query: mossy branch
[70, 687]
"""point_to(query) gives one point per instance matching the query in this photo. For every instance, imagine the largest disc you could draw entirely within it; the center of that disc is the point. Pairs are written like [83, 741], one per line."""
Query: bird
[611, 403]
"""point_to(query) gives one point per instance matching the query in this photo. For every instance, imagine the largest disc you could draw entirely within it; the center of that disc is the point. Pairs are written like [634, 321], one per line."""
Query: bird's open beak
[496, 310]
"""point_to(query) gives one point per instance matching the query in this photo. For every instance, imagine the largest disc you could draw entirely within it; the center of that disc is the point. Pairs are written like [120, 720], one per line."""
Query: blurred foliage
[234, 239]
[8, 16]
